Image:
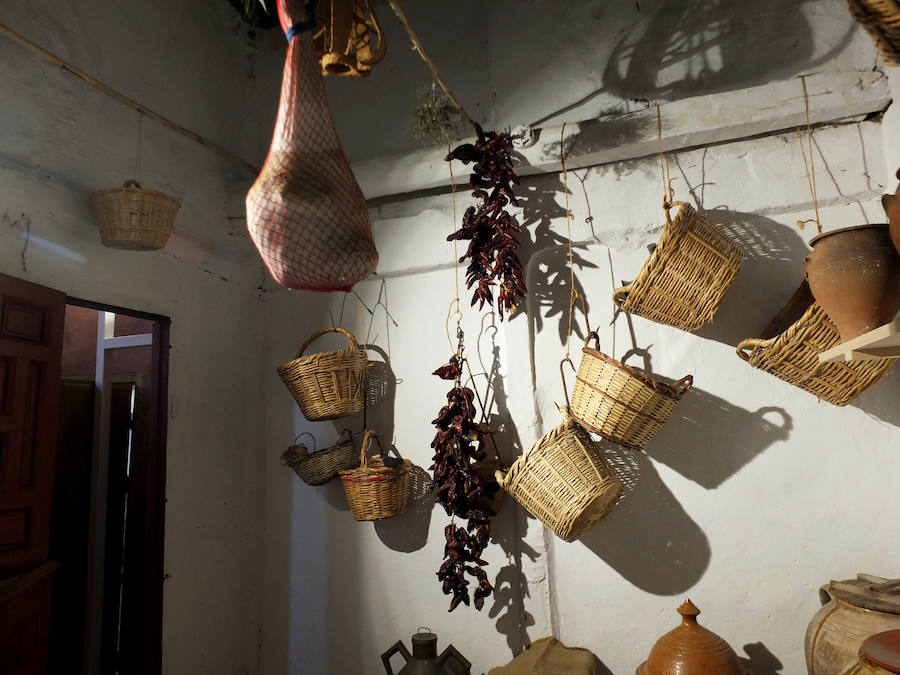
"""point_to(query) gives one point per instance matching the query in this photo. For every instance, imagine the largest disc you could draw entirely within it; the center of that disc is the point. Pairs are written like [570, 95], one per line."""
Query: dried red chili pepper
[458, 442]
[488, 226]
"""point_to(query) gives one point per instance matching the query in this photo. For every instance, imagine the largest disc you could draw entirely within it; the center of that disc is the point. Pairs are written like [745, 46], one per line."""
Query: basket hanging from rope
[619, 402]
[881, 18]
[348, 37]
[684, 280]
[563, 480]
[327, 385]
[379, 488]
[134, 219]
[317, 468]
[789, 349]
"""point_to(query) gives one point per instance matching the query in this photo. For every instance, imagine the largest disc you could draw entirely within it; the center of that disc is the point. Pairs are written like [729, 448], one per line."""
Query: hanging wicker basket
[619, 402]
[327, 385]
[563, 480]
[379, 488]
[134, 219]
[687, 275]
[317, 468]
[881, 18]
[789, 350]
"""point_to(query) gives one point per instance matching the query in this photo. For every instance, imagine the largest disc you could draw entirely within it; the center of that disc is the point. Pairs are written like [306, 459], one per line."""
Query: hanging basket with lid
[327, 385]
[619, 402]
[379, 488]
[134, 219]
[684, 280]
[563, 480]
[317, 468]
[881, 18]
[789, 349]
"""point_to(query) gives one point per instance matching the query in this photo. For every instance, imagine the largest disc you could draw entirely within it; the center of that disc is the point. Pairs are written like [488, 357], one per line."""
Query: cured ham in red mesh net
[306, 213]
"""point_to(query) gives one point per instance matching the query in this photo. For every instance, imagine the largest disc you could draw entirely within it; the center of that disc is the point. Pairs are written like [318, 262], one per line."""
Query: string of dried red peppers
[488, 226]
[458, 442]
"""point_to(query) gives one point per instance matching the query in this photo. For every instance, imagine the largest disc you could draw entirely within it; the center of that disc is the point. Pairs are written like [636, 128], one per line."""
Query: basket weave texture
[790, 347]
[375, 491]
[317, 468]
[620, 403]
[563, 480]
[686, 276]
[348, 37]
[327, 385]
[881, 18]
[134, 219]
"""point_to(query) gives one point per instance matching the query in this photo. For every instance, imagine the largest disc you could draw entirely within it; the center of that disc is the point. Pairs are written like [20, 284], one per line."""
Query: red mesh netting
[305, 212]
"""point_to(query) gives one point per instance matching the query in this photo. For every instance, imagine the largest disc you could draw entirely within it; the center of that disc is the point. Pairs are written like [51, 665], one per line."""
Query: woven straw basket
[374, 490]
[348, 37]
[563, 480]
[881, 18]
[790, 346]
[134, 219]
[686, 276]
[317, 468]
[618, 402]
[327, 385]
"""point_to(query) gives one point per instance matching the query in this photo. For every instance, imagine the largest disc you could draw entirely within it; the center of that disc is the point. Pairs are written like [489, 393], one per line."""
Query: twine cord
[572, 291]
[137, 157]
[417, 46]
[809, 163]
[664, 169]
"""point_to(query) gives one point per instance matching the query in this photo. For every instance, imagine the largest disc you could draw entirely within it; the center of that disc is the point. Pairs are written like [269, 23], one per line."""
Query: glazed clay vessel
[837, 630]
[891, 204]
[878, 655]
[854, 274]
[691, 649]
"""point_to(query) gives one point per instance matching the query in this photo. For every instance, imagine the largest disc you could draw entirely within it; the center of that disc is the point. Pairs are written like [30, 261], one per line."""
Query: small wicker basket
[881, 18]
[618, 402]
[563, 480]
[317, 468]
[376, 489]
[134, 219]
[687, 275]
[327, 385]
[790, 346]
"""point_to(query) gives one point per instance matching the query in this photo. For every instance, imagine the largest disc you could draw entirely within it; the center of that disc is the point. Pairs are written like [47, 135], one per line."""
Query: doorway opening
[109, 492]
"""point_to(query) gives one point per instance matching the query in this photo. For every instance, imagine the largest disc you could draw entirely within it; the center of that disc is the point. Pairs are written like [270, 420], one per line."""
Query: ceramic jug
[424, 659]
[851, 612]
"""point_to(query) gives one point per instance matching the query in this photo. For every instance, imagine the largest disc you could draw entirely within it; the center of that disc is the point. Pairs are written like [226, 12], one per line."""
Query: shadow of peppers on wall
[648, 538]
[708, 439]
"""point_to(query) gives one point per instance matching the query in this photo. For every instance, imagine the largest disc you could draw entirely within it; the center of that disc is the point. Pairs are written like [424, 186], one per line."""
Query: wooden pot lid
[883, 649]
[869, 592]
[691, 649]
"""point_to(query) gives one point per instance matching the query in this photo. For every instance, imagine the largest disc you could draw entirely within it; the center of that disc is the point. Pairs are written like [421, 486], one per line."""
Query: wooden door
[31, 328]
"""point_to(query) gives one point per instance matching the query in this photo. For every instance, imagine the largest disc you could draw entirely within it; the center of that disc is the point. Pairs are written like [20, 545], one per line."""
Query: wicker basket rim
[662, 388]
[370, 472]
[103, 194]
[325, 452]
[781, 338]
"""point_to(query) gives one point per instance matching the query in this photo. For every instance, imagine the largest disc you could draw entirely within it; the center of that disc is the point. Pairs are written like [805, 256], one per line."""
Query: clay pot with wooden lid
[691, 649]
[851, 612]
[891, 204]
[854, 274]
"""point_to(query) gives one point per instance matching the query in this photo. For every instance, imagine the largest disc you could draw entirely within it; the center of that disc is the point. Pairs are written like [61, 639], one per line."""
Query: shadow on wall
[707, 46]
[773, 269]
[708, 439]
[880, 401]
[648, 531]
[761, 661]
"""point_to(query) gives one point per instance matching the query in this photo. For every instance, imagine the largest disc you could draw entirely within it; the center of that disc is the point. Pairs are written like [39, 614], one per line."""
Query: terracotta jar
[851, 611]
[891, 204]
[878, 655]
[691, 649]
[854, 274]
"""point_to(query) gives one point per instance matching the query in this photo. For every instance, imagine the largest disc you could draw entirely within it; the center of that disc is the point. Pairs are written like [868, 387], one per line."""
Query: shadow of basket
[408, 531]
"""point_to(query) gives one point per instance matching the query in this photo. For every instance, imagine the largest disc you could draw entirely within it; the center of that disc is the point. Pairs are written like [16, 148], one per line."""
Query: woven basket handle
[367, 443]
[620, 295]
[301, 435]
[592, 334]
[562, 375]
[684, 384]
[354, 345]
[132, 183]
[747, 345]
